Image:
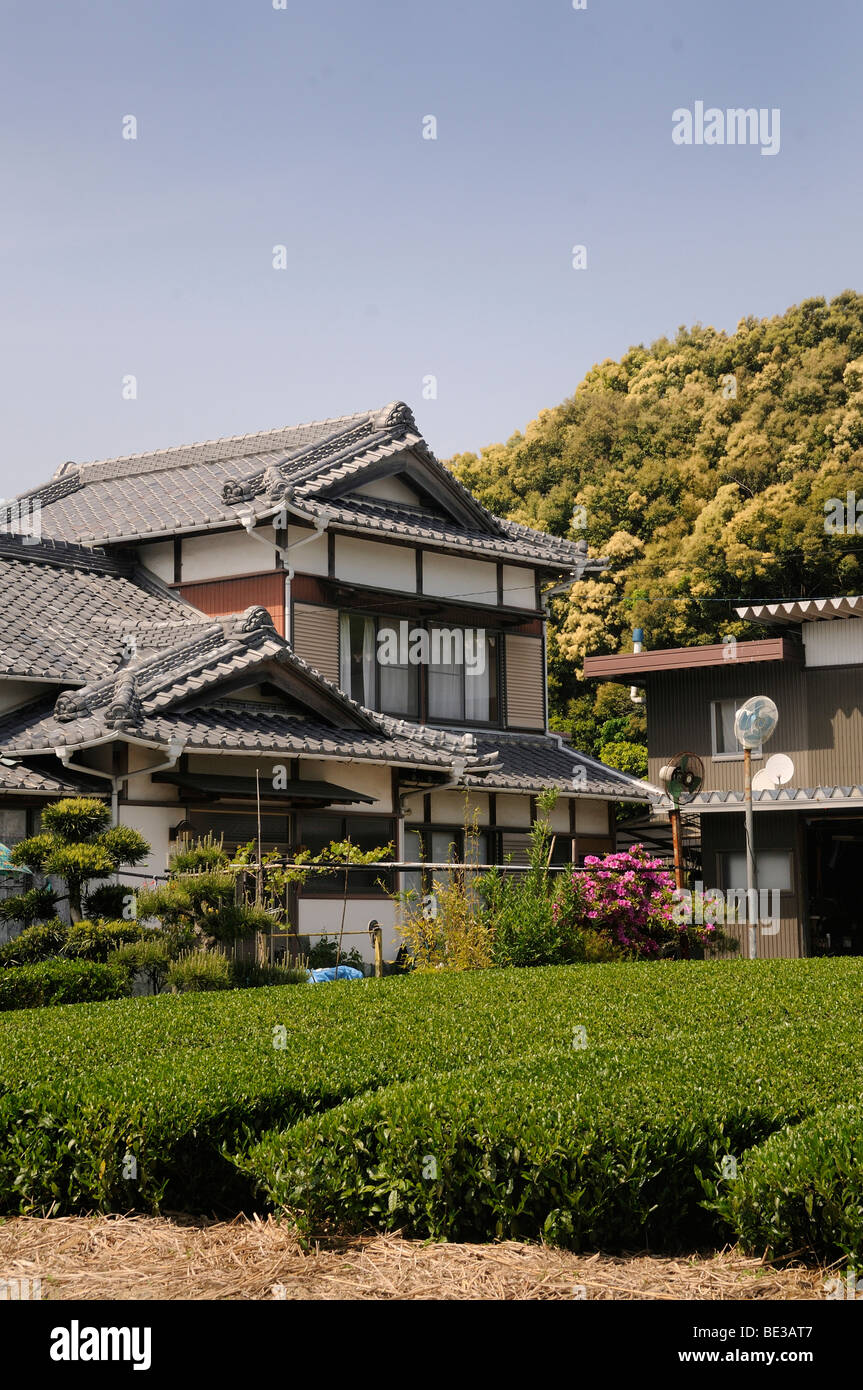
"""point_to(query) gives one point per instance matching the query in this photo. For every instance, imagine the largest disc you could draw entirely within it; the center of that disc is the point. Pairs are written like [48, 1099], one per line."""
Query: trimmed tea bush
[61, 982]
[601, 1147]
[802, 1190]
[184, 1080]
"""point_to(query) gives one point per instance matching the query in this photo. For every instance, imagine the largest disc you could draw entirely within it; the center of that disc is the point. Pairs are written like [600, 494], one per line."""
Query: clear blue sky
[406, 256]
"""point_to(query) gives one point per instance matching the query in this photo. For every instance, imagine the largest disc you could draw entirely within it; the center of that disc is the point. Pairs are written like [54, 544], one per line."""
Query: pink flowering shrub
[628, 898]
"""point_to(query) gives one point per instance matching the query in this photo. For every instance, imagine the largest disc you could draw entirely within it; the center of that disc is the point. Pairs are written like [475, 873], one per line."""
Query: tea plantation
[611, 1106]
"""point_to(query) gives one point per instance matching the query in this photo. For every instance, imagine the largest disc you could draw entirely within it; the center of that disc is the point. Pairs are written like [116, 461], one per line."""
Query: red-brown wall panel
[221, 596]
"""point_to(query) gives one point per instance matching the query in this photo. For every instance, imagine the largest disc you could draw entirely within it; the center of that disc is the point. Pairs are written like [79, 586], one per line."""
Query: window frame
[423, 701]
[716, 753]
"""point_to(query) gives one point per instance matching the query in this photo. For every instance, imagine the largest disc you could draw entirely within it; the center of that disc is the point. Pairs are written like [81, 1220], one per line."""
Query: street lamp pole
[751, 872]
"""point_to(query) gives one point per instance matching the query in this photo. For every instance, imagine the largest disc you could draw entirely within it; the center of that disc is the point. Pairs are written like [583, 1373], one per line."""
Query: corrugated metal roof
[806, 610]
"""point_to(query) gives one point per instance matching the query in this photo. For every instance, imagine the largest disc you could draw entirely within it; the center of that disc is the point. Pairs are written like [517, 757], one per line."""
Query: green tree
[78, 844]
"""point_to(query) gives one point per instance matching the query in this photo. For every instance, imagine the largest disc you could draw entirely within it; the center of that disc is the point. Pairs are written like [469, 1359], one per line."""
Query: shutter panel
[525, 683]
[316, 638]
[514, 846]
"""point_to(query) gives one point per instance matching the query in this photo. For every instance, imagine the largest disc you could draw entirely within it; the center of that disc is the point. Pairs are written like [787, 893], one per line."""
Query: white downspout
[637, 647]
[175, 751]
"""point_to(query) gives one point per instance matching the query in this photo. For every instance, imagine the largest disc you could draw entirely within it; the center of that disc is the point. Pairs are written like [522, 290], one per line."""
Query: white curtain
[357, 666]
[477, 675]
[345, 653]
[369, 663]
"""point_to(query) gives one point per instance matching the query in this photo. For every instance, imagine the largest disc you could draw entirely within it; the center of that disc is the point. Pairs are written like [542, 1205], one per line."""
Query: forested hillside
[700, 466]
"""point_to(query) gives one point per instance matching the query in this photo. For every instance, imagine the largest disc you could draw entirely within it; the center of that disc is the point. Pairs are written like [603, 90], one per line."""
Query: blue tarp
[331, 972]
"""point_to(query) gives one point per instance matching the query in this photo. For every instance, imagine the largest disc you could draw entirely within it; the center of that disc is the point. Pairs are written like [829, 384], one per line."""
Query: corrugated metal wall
[221, 596]
[316, 638]
[678, 718]
[820, 720]
[835, 726]
[723, 831]
[525, 683]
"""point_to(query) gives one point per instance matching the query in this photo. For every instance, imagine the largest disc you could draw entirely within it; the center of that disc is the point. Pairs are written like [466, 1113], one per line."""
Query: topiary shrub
[35, 905]
[35, 944]
[249, 974]
[150, 957]
[78, 843]
[111, 902]
[61, 982]
[96, 940]
[199, 970]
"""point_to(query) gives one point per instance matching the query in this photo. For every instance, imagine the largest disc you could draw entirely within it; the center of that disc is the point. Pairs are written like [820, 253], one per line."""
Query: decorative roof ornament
[236, 491]
[396, 416]
[68, 707]
[124, 711]
[255, 619]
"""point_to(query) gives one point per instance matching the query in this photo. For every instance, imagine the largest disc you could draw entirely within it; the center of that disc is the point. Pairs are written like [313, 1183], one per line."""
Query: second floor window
[392, 687]
[462, 680]
[724, 739]
[420, 670]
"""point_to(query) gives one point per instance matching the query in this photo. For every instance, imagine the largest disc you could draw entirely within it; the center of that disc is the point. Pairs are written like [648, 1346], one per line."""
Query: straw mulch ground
[156, 1258]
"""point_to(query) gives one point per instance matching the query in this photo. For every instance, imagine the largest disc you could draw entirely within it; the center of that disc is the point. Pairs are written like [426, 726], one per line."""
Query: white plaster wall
[450, 576]
[144, 788]
[559, 817]
[158, 559]
[312, 558]
[591, 817]
[513, 810]
[392, 489]
[518, 587]
[448, 808]
[325, 915]
[154, 823]
[372, 781]
[226, 553]
[376, 563]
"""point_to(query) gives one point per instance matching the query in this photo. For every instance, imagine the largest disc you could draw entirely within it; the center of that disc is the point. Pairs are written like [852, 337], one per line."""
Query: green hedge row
[80, 941]
[802, 1190]
[181, 1082]
[605, 1148]
[61, 982]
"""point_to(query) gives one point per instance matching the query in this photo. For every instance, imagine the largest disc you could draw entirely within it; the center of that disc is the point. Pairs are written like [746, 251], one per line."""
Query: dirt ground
[137, 1257]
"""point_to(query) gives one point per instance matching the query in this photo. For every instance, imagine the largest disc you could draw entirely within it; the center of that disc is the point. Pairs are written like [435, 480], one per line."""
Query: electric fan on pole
[682, 779]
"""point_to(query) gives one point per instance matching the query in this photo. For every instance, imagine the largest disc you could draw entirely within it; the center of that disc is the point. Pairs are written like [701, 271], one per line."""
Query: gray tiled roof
[25, 779]
[538, 762]
[174, 693]
[205, 486]
[66, 612]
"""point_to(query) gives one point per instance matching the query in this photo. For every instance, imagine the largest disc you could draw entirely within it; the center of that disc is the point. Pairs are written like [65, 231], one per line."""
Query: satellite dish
[683, 778]
[776, 772]
[755, 721]
[780, 767]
